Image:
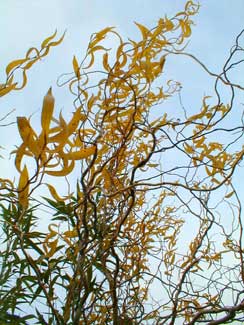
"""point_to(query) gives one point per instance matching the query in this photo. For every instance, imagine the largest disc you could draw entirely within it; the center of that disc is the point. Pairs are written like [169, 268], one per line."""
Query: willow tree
[137, 236]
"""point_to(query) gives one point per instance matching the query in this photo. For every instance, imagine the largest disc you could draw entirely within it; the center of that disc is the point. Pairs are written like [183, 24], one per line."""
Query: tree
[135, 239]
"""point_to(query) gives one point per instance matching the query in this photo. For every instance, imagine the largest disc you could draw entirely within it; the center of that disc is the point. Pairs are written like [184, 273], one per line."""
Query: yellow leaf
[91, 102]
[50, 228]
[27, 134]
[55, 195]
[186, 29]
[188, 149]
[216, 257]
[91, 61]
[89, 131]
[62, 136]
[191, 8]
[30, 63]
[210, 173]
[229, 194]
[24, 82]
[98, 48]
[30, 55]
[105, 62]
[169, 25]
[19, 155]
[107, 178]
[81, 154]
[184, 264]
[214, 180]
[120, 54]
[14, 64]
[152, 165]
[47, 46]
[53, 248]
[76, 67]
[41, 143]
[203, 111]
[162, 62]
[74, 122]
[23, 188]
[67, 169]
[70, 233]
[4, 89]
[48, 39]
[144, 31]
[198, 142]
[100, 36]
[57, 42]
[47, 111]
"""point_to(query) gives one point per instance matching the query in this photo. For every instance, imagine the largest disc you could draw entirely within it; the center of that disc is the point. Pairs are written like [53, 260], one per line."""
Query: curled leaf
[67, 169]
[53, 248]
[55, 195]
[48, 39]
[14, 64]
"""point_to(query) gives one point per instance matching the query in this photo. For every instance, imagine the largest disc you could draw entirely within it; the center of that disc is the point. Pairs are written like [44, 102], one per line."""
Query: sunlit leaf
[47, 111]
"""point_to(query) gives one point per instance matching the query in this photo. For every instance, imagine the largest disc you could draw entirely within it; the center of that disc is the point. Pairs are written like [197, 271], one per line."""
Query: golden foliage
[130, 208]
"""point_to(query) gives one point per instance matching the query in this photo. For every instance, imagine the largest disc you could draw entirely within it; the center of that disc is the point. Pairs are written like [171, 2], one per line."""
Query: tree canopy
[149, 230]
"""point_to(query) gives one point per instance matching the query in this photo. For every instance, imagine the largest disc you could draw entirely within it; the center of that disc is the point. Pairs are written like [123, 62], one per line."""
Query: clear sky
[25, 23]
